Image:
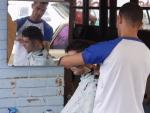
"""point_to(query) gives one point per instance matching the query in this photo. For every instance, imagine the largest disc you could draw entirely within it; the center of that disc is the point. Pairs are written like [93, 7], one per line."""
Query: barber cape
[19, 54]
[82, 100]
[40, 58]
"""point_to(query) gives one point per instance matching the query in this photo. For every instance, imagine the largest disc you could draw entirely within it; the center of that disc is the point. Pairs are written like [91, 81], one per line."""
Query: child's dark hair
[44, 2]
[78, 45]
[33, 33]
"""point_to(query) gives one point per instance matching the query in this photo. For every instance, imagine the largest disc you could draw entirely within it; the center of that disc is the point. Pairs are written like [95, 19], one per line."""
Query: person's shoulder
[46, 25]
[21, 19]
[20, 22]
[107, 43]
[48, 30]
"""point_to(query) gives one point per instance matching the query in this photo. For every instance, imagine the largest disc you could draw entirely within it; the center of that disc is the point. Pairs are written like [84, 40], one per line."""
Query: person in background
[82, 100]
[32, 40]
[124, 65]
[38, 11]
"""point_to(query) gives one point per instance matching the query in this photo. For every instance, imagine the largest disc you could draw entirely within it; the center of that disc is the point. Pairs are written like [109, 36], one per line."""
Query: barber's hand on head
[19, 39]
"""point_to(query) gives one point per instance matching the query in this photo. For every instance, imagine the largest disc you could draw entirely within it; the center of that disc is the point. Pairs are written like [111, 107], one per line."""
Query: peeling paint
[59, 91]
[59, 81]
[31, 99]
[13, 86]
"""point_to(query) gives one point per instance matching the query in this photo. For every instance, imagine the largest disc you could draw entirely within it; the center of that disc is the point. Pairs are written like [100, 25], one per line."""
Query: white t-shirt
[125, 66]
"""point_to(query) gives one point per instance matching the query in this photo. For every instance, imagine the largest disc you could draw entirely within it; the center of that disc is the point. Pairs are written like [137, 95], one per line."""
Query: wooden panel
[3, 44]
[39, 109]
[3, 34]
[3, 6]
[23, 72]
[11, 36]
[3, 54]
[31, 102]
[25, 92]
[3, 26]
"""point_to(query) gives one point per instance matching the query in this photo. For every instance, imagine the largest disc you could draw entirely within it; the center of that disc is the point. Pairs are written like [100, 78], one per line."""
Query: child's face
[77, 70]
[27, 44]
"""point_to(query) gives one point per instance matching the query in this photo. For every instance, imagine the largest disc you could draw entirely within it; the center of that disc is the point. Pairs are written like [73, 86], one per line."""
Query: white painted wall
[31, 90]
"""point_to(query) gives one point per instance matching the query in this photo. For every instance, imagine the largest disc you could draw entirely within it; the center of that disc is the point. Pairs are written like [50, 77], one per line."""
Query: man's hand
[19, 39]
[71, 60]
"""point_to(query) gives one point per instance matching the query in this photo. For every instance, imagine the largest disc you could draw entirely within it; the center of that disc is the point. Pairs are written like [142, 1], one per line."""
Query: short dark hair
[132, 13]
[44, 2]
[78, 45]
[33, 33]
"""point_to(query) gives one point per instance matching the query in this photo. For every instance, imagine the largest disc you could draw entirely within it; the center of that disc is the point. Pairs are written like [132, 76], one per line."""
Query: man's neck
[37, 49]
[129, 35]
[34, 19]
[129, 31]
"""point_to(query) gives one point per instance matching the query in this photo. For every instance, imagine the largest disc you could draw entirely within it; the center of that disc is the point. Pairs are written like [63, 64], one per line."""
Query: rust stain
[13, 86]
[59, 81]
[59, 91]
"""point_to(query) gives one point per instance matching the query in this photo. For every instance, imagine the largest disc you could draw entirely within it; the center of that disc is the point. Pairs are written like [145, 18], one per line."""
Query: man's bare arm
[71, 60]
